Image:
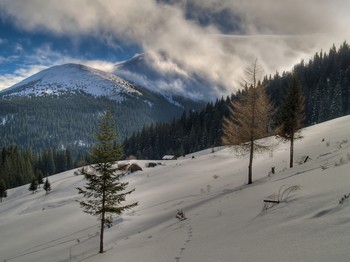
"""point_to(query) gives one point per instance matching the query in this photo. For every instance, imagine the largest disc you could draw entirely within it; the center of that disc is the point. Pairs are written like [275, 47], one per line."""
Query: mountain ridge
[58, 107]
[70, 78]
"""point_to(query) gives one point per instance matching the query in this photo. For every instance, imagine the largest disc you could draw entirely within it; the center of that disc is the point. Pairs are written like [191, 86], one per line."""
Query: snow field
[225, 217]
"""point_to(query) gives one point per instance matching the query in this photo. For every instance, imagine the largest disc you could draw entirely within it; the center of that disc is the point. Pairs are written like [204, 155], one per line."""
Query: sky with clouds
[215, 38]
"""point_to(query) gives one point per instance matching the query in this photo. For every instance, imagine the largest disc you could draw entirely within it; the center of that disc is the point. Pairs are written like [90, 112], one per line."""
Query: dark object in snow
[134, 167]
[341, 201]
[151, 164]
[180, 215]
[271, 201]
[192, 157]
[307, 158]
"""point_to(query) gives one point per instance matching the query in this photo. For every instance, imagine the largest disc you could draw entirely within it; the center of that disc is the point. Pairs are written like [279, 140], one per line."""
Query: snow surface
[225, 221]
[70, 78]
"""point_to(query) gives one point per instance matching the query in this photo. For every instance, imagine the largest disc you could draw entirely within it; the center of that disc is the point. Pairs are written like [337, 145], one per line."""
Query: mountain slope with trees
[325, 82]
[59, 107]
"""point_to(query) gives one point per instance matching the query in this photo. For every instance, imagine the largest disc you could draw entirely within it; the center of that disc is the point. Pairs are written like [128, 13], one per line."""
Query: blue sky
[215, 38]
[26, 52]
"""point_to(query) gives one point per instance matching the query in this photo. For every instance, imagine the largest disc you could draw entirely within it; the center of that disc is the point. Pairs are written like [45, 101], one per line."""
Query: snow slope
[225, 221]
[71, 78]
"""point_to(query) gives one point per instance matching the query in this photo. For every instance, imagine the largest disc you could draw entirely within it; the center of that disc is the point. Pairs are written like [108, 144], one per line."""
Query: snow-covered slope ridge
[71, 78]
[225, 218]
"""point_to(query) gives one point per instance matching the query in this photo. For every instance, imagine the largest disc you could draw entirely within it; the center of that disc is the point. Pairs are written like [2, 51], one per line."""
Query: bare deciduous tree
[250, 117]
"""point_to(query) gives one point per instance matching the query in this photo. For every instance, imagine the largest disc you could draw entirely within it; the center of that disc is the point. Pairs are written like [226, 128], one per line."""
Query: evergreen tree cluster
[19, 167]
[325, 82]
[69, 120]
[192, 132]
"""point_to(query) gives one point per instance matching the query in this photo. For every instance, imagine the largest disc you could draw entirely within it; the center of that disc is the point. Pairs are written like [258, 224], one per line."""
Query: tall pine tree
[104, 192]
[292, 115]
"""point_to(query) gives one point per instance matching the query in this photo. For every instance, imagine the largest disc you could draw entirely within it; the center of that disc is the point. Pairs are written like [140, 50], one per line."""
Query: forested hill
[325, 81]
[59, 107]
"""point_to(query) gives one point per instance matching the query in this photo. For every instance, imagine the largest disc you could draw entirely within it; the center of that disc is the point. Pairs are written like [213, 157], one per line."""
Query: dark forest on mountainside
[325, 81]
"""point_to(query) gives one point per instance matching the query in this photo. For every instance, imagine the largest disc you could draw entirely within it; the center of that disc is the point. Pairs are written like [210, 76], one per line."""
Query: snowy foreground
[225, 217]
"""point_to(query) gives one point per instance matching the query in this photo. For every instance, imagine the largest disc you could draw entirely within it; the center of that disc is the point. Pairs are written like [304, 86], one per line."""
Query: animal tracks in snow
[189, 235]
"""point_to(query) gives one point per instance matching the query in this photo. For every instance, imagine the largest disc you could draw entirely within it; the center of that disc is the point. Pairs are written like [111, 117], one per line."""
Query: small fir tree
[292, 115]
[104, 192]
[47, 186]
[3, 191]
[33, 185]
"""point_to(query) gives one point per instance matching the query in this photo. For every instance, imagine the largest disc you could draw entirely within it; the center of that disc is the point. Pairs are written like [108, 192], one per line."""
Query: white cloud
[278, 33]
[8, 80]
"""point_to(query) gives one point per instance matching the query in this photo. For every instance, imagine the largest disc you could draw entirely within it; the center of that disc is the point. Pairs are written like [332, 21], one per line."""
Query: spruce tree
[104, 192]
[292, 115]
[47, 186]
[249, 119]
[3, 192]
[33, 185]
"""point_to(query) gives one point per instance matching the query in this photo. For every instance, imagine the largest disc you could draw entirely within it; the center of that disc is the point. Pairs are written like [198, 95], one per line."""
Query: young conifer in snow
[291, 115]
[3, 192]
[104, 192]
[33, 185]
[250, 118]
[47, 186]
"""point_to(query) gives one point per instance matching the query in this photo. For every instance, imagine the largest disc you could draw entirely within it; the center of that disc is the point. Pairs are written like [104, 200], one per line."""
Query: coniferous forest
[18, 167]
[325, 81]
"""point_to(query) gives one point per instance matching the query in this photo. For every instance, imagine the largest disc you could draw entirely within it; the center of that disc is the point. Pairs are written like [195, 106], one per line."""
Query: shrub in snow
[180, 215]
[281, 196]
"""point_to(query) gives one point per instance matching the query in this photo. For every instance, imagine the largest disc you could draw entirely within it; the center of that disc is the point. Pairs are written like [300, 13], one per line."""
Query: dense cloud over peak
[214, 38]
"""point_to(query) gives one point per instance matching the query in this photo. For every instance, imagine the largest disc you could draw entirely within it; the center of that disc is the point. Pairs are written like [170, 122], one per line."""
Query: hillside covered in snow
[226, 219]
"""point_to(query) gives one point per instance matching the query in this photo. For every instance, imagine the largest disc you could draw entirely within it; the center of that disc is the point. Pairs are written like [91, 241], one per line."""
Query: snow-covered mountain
[167, 77]
[72, 78]
[51, 107]
[225, 217]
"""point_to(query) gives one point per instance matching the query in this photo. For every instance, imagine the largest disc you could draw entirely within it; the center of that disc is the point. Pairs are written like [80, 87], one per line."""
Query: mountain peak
[72, 78]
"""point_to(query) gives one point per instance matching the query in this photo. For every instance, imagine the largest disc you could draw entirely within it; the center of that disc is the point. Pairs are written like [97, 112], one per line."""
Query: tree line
[325, 84]
[19, 167]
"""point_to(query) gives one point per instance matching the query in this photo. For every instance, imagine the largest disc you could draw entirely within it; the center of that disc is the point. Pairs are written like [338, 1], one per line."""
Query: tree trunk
[103, 216]
[250, 167]
[101, 232]
[291, 150]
